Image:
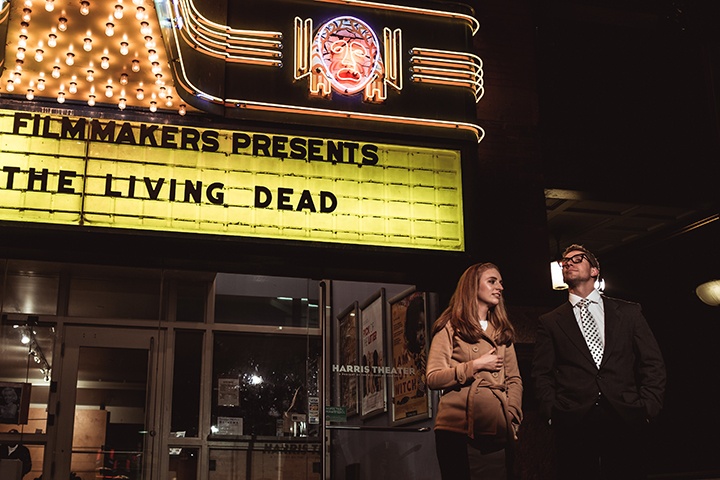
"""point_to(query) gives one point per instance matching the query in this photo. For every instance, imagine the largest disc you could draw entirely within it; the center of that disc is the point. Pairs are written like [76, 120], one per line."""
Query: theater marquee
[112, 173]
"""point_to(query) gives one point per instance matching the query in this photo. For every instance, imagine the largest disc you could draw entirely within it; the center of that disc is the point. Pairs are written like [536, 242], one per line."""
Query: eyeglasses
[574, 259]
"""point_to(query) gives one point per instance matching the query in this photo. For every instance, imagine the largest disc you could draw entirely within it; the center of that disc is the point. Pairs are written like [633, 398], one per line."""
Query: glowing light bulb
[123, 48]
[182, 111]
[109, 91]
[122, 104]
[91, 100]
[39, 55]
[84, 7]
[17, 77]
[72, 88]
[140, 14]
[163, 92]
[140, 94]
[41, 84]
[168, 101]
[10, 87]
[109, 29]
[135, 66]
[158, 79]
[153, 107]
[87, 44]
[149, 42]
[25, 339]
[152, 55]
[118, 13]
[70, 59]
[104, 63]
[28, 3]
[62, 24]
[52, 40]
[124, 79]
[55, 72]
[27, 15]
[49, 5]
[22, 41]
[145, 28]
[19, 65]
[20, 55]
[90, 77]
[156, 68]
[61, 97]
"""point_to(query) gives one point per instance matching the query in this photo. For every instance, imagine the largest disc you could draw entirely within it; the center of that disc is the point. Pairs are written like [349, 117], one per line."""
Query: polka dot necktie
[590, 331]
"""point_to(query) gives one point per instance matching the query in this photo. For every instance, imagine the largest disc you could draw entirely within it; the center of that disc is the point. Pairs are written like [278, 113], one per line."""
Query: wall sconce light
[709, 293]
[557, 277]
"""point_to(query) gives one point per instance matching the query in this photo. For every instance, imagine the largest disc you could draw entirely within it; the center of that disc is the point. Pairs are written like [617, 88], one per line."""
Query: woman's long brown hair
[462, 311]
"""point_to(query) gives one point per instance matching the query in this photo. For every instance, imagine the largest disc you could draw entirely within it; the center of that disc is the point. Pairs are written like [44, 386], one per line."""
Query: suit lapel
[568, 324]
[611, 326]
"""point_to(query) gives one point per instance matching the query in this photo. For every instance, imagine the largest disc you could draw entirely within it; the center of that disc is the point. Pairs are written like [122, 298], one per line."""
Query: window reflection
[262, 384]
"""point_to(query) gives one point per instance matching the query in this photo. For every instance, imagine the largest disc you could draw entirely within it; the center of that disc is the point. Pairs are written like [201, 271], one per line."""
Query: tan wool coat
[479, 404]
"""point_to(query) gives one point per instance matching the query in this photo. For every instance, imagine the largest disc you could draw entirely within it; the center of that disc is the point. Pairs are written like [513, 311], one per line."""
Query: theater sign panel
[74, 170]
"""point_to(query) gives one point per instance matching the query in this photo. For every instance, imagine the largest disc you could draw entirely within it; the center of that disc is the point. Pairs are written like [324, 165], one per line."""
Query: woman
[472, 360]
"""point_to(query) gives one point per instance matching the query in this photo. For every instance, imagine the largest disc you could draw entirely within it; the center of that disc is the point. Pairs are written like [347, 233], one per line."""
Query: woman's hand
[490, 362]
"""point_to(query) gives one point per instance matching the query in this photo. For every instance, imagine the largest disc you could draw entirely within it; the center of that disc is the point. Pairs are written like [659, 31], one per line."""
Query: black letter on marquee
[215, 198]
[70, 130]
[306, 201]
[259, 193]
[370, 156]
[153, 192]
[108, 187]
[240, 140]
[65, 181]
[284, 198]
[33, 177]
[11, 171]
[324, 198]
[20, 121]
[193, 190]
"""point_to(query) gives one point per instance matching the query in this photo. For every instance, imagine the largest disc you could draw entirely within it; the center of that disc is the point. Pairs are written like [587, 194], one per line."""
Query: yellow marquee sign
[111, 173]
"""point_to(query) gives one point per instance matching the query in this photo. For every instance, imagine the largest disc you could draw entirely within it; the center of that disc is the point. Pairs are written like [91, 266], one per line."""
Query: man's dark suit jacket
[631, 376]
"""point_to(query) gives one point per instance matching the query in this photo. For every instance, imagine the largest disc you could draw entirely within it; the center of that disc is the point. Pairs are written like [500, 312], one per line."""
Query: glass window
[262, 384]
[261, 300]
[30, 288]
[186, 383]
[183, 464]
[191, 300]
[104, 292]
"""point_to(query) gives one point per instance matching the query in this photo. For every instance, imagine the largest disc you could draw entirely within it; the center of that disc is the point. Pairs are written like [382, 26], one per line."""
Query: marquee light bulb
[20, 55]
[27, 15]
[109, 29]
[72, 88]
[182, 110]
[135, 66]
[140, 94]
[39, 55]
[122, 104]
[168, 101]
[87, 44]
[41, 84]
[156, 68]
[61, 97]
[10, 87]
[145, 28]
[91, 100]
[124, 48]
[124, 79]
[55, 72]
[52, 40]
[140, 14]
[22, 41]
[17, 77]
[90, 76]
[153, 107]
[84, 7]
[70, 59]
[152, 55]
[109, 91]
[104, 63]
[118, 13]
[30, 94]
[62, 24]
[158, 79]
[49, 5]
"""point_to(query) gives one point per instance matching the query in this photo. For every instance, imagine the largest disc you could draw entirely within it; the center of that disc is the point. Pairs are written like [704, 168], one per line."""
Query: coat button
[494, 374]
[475, 349]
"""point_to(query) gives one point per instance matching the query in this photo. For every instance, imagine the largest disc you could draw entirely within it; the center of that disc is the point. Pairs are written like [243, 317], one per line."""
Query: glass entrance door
[106, 417]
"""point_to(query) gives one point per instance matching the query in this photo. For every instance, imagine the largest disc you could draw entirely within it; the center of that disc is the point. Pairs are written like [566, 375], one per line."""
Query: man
[599, 377]
[19, 452]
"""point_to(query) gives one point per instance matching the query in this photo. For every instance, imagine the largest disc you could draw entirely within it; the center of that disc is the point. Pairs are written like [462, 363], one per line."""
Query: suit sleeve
[543, 368]
[651, 376]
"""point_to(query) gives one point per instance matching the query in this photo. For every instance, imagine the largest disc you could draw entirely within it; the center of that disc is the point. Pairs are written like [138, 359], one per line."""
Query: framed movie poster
[409, 339]
[14, 403]
[373, 392]
[347, 360]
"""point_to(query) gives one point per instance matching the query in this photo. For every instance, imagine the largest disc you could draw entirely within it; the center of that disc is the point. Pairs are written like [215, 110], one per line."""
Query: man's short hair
[591, 258]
